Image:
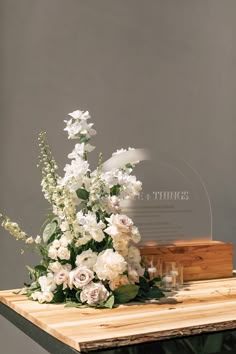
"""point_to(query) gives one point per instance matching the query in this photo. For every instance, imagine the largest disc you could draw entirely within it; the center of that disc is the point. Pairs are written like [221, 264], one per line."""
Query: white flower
[56, 244]
[119, 224]
[109, 265]
[86, 258]
[133, 275]
[78, 125]
[47, 282]
[56, 267]
[80, 115]
[62, 277]
[112, 204]
[119, 281]
[80, 149]
[47, 296]
[38, 240]
[79, 277]
[63, 253]
[35, 296]
[64, 241]
[77, 169]
[52, 252]
[133, 255]
[91, 226]
[120, 244]
[29, 240]
[135, 235]
[94, 294]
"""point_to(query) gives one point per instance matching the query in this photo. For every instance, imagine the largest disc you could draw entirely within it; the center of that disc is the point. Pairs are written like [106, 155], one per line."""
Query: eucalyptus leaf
[125, 293]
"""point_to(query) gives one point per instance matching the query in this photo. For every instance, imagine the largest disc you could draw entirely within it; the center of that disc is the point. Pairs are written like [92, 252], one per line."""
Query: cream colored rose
[80, 277]
[52, 252]
[119, 281]
[63, 253]
[109, 265]
[94, 294]
[119, 223]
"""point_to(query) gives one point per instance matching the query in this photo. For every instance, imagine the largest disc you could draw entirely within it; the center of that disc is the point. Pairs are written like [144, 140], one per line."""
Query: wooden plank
[203, 306]
[208, 260]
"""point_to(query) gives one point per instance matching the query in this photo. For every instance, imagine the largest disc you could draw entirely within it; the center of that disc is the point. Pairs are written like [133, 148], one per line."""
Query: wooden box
[201, 261]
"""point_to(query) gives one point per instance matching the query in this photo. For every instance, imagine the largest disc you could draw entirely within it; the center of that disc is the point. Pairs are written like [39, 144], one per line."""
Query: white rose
[109, 265]
[52, 252]
[119, 224]
[119, 281]
[63, 253]
[62, 278]
[47, 282]
[86, 258]
[94, 294]
[55, 267]
[56, 244]
[64, 241]
[80, 277]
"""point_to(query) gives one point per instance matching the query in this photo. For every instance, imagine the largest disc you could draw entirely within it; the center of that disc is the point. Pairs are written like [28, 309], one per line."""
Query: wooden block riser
[200, 261]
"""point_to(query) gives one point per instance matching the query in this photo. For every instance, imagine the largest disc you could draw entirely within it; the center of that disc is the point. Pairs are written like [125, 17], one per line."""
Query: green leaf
[49, 231]
[110, 302]
[125, 293]
[40, 268]
[115, 190]
[154, 293]
[82, 194]
[143, 284]
[77, 295]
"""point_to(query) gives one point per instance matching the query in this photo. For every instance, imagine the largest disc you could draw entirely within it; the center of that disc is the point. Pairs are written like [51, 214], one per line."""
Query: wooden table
[202, 307]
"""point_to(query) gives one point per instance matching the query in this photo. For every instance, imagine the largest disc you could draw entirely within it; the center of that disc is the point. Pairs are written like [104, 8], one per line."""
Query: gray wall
[152, 73]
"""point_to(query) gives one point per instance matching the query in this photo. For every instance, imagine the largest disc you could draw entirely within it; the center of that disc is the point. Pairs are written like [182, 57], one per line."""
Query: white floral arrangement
[88, 247]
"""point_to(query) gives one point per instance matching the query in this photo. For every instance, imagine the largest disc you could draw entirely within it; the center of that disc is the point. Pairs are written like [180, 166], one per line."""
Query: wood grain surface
[204, 306]
[201, 260]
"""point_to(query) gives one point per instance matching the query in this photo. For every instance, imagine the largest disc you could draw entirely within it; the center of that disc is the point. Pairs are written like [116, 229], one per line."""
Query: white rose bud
[52, 253]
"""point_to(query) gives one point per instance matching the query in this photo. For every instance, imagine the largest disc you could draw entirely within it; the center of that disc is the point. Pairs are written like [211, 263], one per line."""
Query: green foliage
[82, 194]
[125, 293]
[115, 190]
[110, 302]
[49, 231]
